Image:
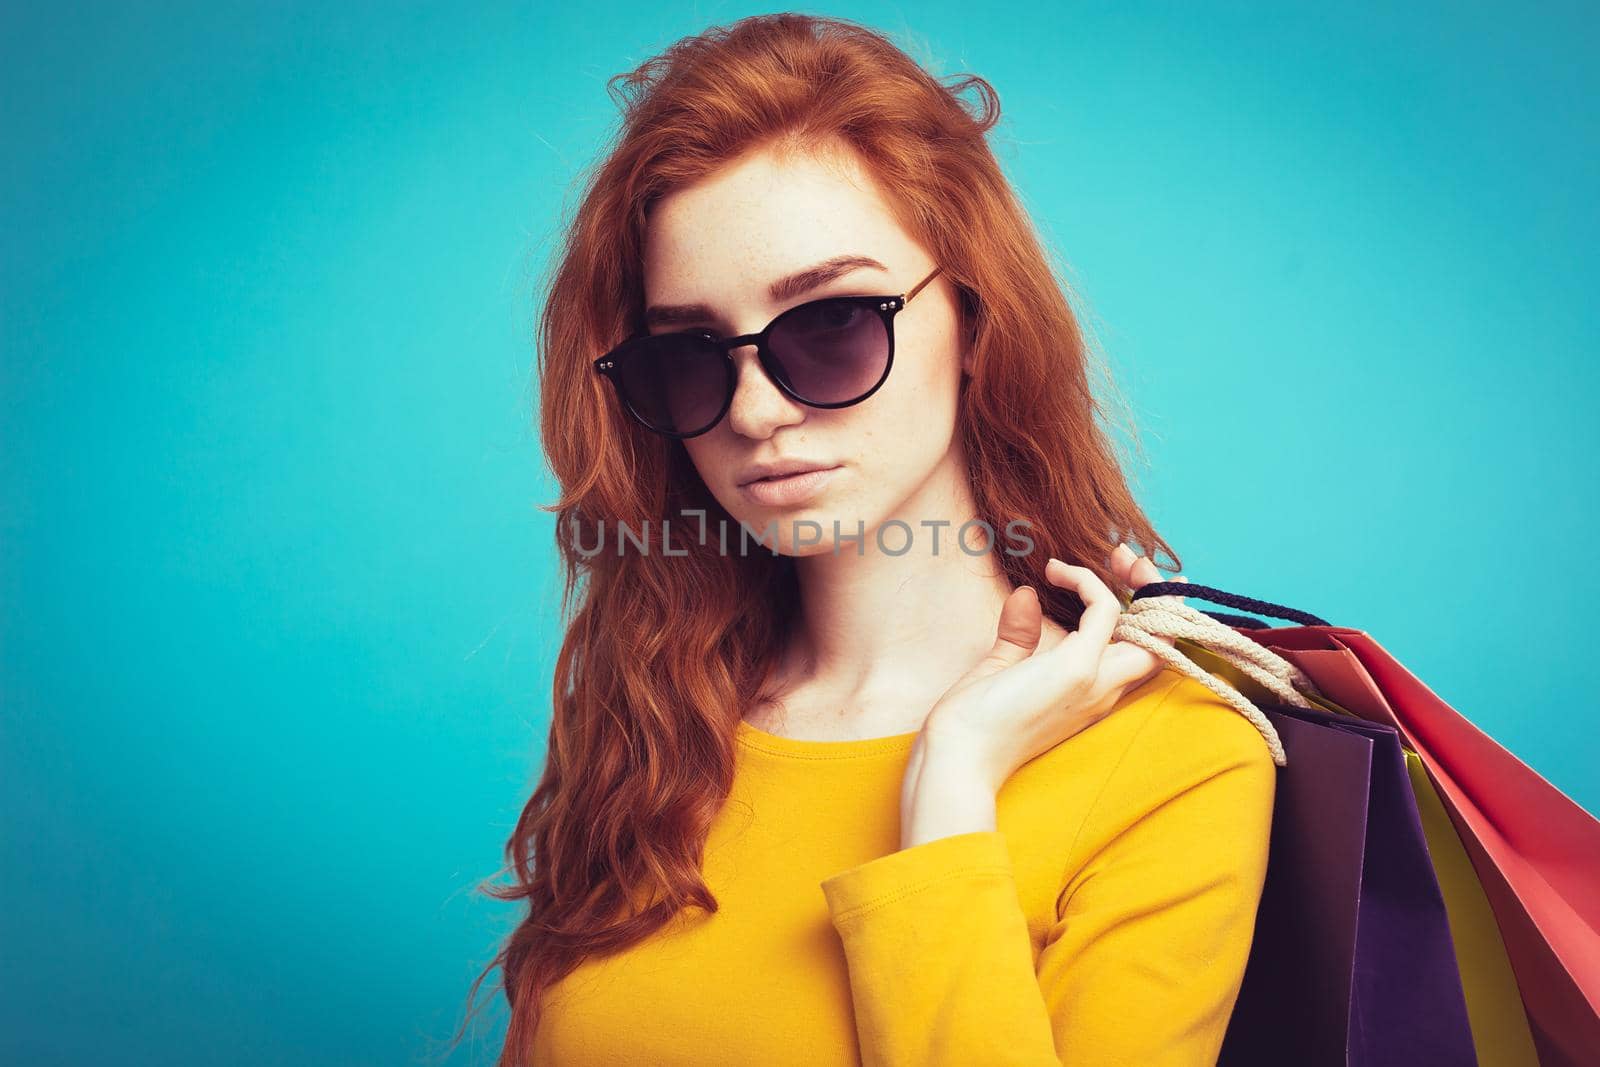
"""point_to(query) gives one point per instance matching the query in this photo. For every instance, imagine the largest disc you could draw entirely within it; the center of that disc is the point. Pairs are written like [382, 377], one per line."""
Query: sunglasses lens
[831, 351]
[674, 382]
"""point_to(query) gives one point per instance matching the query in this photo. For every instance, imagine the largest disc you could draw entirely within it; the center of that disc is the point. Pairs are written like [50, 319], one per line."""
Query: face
[721, 243]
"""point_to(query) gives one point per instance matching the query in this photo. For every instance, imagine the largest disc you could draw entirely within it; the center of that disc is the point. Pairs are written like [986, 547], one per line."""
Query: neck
[881, 637]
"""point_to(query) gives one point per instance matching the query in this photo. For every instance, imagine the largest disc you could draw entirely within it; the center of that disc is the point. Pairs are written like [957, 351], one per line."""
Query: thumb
[1016, 635]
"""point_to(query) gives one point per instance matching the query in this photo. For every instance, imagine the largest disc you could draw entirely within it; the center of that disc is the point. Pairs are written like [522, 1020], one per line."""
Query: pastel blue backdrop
[279, 603]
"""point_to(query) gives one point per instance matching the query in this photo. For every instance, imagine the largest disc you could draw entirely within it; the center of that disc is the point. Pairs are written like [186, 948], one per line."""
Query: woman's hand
[1020, 701]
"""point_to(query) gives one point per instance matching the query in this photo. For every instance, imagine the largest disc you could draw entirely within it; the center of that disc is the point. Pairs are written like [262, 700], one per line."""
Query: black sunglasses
[827, 353]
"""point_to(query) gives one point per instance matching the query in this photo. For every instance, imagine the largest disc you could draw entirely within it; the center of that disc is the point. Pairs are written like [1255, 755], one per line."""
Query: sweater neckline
[803, 748]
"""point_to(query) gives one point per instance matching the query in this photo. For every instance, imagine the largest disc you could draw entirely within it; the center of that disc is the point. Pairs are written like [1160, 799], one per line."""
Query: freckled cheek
[716, 466]
[928, 364]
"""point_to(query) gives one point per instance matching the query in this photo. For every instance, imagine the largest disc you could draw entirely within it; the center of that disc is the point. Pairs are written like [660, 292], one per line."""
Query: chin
[791, 524]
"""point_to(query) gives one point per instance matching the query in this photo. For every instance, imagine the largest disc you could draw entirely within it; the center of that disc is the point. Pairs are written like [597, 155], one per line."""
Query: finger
[1127, 664]
[1144, 572]
[1084, 646]
[1122, 560]
[1016, 635]
[1175, 578]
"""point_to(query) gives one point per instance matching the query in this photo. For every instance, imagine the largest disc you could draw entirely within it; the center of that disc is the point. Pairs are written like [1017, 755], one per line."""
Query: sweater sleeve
[1145, 955]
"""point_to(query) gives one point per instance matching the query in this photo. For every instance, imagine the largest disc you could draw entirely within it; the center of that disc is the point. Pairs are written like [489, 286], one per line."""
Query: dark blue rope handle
[1232, 600]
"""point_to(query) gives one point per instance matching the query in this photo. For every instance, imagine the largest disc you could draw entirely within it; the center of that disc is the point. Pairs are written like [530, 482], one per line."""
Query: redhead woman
[844, 765]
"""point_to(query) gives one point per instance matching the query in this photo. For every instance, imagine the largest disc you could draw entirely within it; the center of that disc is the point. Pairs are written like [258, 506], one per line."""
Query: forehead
[762, 216]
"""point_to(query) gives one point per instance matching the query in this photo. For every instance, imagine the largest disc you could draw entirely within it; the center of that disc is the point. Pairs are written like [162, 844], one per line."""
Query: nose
[759, 407]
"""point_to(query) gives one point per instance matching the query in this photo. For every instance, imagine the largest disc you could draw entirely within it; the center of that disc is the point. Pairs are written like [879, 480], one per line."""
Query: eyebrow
[782, 291]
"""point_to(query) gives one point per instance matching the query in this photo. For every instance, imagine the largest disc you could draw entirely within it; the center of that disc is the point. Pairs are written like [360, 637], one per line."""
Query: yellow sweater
[1107, 920]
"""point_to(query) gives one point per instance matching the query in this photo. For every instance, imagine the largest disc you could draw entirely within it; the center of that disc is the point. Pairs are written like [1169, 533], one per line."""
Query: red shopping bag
[1535, 851]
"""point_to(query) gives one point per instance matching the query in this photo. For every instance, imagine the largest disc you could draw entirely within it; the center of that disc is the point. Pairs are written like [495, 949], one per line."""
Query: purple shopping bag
[1352, 962]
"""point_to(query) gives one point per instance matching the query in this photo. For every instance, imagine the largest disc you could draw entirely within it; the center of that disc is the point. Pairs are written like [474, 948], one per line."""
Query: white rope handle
[1149, 618]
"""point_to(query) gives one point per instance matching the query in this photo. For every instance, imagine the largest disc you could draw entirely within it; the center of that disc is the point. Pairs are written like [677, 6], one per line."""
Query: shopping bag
[1498, 1026]
[1535, 853]
[1352, 962]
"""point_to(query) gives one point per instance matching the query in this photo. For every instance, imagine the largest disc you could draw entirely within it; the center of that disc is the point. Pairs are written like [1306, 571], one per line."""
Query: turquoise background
[280, 606]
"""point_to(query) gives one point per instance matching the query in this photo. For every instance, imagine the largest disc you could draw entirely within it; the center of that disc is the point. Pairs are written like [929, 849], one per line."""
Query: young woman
[877, 786]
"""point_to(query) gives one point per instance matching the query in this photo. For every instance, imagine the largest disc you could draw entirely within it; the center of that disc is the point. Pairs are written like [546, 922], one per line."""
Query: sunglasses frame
[886, 306]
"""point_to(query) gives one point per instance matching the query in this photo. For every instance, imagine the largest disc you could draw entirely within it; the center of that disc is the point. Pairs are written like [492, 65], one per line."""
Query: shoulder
[1165, 735]
[1194, 722]
[1192, 784]
[1174, 716]
[1189, 738]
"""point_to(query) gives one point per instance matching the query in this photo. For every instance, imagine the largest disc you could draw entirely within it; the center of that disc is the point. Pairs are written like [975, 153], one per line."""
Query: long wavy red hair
[662, 654]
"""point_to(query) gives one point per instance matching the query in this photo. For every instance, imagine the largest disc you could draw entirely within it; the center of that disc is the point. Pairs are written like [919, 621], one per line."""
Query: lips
[783, 469]
[790, 490]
